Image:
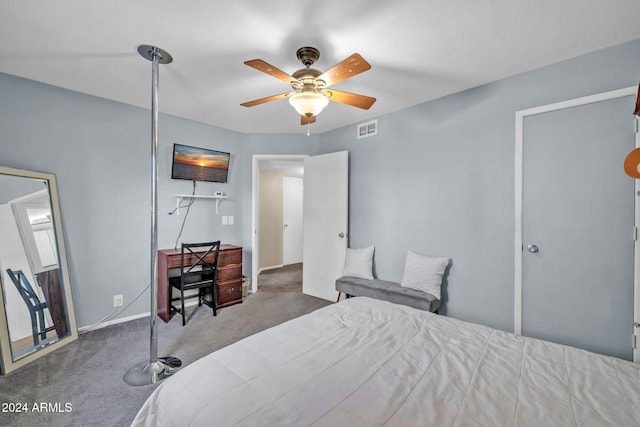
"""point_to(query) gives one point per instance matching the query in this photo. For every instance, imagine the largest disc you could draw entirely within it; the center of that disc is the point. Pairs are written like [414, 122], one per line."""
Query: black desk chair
[34, 305]
[198, 270]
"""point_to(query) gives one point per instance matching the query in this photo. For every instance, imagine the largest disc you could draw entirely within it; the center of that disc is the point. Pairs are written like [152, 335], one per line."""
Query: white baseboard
[84, 329]
[271, 267]
[101, 325]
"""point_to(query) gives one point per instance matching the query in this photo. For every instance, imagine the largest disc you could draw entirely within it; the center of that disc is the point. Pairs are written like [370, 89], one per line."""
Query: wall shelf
[179, 197]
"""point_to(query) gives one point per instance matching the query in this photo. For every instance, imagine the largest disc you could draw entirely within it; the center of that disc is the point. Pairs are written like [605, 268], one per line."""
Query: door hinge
[634, 343]
[635, 234]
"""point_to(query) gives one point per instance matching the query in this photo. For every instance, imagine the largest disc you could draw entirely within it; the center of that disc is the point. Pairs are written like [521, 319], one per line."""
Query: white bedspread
[365, 362]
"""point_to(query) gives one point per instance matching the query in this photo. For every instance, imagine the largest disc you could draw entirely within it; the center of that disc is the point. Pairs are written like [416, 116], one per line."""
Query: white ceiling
[419, 49]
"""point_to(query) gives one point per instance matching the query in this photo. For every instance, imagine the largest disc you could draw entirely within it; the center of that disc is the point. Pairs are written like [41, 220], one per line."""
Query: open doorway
[278, 182]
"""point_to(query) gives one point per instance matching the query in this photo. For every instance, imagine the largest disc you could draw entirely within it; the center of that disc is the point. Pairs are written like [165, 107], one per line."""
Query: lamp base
[145, 373]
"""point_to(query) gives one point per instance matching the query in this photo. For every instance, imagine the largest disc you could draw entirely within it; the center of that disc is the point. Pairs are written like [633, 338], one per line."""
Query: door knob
[532, 248]
[341, 235]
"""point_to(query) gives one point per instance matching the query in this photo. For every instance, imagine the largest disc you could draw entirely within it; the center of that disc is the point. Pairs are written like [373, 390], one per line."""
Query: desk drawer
[229, 292]
[229, 272]
[230, 256]
[189, 259]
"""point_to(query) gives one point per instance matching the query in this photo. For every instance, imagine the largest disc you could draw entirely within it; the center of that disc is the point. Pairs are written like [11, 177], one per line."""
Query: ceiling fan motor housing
[306, 78]
[308, 55]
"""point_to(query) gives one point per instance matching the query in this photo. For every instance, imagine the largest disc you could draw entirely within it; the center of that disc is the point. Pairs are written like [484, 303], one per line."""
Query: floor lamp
[149, 372]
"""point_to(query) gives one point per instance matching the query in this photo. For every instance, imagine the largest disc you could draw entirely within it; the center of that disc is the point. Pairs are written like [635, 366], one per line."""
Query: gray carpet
[283, 279]
[87, 374]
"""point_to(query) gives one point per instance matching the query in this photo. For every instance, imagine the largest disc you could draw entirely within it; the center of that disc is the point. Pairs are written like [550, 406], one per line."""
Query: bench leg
[346, 295]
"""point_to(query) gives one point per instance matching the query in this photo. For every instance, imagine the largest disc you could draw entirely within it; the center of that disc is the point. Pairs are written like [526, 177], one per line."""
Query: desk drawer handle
[230, 291]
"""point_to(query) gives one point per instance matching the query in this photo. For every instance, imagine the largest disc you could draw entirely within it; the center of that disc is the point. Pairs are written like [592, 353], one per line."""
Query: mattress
[366, 362]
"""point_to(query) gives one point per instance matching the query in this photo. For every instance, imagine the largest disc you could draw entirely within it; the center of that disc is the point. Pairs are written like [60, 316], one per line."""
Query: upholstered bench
[388, 291]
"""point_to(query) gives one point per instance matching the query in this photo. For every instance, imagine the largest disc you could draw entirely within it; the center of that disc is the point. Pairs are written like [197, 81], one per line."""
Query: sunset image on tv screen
[199, 164]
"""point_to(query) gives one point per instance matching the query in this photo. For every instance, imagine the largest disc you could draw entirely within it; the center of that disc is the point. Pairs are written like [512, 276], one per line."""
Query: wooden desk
[229, 289]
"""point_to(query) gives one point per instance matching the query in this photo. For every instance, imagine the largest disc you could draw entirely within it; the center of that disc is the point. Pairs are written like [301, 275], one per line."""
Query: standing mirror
[36, 310]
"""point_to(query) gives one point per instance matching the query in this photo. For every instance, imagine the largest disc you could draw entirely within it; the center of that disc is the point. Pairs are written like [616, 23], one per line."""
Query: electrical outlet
[118, 300]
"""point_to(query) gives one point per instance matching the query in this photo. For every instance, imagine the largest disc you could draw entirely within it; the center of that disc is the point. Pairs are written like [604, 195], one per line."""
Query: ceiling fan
[311, 91]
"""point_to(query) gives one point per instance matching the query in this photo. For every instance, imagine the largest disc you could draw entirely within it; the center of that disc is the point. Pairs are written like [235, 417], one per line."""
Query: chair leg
[214, 300]
[339, 293]
[43, 327]
[182, 306]
[34, 328]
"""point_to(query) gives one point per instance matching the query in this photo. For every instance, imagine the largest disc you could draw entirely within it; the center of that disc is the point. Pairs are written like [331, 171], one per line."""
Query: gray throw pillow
[359, 263]
[424, 273]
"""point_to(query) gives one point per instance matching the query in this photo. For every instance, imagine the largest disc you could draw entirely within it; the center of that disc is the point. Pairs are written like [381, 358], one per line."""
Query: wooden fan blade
[260, 65]
[353, 65]
[264, 100]
[353, 99]
[304, 120]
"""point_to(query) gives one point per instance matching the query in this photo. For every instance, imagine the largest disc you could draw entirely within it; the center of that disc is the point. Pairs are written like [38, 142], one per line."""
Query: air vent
[368, 129]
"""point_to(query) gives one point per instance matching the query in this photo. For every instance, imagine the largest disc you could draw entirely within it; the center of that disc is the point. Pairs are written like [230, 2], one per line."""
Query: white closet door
[292, 199]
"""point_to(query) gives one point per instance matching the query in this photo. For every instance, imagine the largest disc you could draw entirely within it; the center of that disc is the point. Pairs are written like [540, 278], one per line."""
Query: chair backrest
[24, 288]
[199, 259]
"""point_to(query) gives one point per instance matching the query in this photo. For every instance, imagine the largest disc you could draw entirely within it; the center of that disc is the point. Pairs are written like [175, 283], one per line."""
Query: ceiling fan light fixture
[308, 103]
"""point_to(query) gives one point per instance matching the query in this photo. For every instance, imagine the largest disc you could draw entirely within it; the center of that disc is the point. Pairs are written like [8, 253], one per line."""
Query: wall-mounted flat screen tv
[199, 164]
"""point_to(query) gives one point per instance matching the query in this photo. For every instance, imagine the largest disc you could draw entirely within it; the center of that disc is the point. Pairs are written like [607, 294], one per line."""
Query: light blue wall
[100, 152]
[439, 178]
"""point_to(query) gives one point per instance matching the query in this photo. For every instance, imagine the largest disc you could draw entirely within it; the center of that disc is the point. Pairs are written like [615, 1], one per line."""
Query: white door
[577, 227]
[326, 179]
[292, 197]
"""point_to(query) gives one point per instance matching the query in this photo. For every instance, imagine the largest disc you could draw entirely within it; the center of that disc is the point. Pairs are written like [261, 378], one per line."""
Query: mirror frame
[7, 364]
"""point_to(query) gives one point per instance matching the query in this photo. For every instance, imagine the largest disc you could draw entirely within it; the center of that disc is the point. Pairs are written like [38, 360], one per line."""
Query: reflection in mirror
[36, 312]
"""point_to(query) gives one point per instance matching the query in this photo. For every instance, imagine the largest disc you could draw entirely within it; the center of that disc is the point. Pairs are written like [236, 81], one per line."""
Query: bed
[366, 362]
